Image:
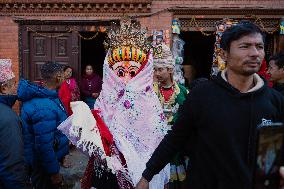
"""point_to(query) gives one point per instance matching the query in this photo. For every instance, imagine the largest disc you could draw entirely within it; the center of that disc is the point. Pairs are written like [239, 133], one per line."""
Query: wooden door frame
[27, 26]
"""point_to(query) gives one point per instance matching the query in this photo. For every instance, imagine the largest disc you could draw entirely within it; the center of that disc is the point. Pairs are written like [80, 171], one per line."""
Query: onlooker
[219, 118]
[13, 174]
[263, 72]
[171, 95]
[69, 90]
[91, 85]
[276, 71]
[41, 113]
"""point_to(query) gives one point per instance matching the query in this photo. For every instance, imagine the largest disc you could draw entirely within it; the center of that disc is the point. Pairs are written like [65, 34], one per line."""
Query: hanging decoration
[175, 26]
[178, 53]
[161, 36]
[218, 62]
[194, 24]
[101, 29]
[158, 37]
[282, 27]
[259, 22]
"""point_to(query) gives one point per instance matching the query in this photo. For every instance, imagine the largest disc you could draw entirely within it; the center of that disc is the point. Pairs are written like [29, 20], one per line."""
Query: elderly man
[12, 169]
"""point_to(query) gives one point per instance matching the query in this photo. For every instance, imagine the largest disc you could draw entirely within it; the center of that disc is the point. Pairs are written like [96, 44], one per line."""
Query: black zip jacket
[216, 125]
[279, 87]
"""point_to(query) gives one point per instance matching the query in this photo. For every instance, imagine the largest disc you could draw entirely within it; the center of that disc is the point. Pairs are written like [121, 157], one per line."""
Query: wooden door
[40, 49]
[45, 47]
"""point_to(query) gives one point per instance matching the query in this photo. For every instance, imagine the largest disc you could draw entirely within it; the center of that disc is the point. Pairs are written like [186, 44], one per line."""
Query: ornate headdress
[128, 43]
[163, 56]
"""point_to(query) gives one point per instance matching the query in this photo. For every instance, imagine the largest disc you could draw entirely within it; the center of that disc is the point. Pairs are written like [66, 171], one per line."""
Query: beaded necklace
[169, 104]
[173, 96]
[163, 90]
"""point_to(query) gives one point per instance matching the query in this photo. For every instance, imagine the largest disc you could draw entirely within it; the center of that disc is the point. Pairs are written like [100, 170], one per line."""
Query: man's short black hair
[243, 28]
[278, 59]
[50, 69]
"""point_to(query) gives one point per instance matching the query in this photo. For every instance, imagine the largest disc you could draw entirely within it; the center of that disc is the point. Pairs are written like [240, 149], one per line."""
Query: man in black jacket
[12, 170]
[276, 71]
[218, 120]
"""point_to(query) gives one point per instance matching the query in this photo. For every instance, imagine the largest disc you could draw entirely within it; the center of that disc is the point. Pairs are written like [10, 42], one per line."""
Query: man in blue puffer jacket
[42, 112]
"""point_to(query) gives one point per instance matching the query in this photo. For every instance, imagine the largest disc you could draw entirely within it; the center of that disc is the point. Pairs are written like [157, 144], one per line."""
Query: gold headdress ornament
[128, 42]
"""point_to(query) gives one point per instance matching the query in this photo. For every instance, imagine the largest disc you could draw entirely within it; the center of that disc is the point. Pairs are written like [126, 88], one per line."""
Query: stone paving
[73, 174]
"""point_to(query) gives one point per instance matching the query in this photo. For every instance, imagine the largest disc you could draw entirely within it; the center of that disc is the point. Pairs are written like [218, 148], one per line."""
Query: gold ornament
[128, 42]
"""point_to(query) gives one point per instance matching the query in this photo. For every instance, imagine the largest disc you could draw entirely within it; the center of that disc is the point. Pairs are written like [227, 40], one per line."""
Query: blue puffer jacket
[41, 113]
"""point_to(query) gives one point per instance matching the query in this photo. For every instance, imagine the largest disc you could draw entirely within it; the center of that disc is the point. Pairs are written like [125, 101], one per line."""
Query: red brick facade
[9, 41]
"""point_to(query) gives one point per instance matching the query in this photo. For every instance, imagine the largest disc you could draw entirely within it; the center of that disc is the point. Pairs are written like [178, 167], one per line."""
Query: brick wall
[9, 48]
[158, 5]
[160, 21]
[9, 42]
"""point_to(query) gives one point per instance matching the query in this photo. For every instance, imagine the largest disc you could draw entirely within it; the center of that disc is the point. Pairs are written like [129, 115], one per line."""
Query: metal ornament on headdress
[128, 42]
[163, 56]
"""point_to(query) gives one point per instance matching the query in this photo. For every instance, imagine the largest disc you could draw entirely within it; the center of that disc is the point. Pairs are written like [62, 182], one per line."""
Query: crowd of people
[140, 133]
[33, 149]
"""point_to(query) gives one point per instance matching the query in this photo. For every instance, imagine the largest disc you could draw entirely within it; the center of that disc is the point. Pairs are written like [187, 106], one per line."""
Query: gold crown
[128, 42]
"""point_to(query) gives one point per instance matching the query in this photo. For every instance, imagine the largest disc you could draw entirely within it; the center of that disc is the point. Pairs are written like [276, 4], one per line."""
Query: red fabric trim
[110, 148]
[106, 136]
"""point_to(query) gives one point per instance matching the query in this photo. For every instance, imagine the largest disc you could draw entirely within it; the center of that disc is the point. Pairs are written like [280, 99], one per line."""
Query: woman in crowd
[91, 85]
[69, 90]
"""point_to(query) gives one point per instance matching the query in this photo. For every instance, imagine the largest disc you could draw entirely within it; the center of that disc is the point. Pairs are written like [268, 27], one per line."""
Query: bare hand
[281, 171]
[56, 179]
[142, 184]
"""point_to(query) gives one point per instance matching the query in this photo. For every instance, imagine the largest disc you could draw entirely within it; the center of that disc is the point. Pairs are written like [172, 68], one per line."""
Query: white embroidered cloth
[134, 116]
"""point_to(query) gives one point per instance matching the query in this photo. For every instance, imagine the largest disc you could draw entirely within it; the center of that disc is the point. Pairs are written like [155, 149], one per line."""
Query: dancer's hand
[142, 184]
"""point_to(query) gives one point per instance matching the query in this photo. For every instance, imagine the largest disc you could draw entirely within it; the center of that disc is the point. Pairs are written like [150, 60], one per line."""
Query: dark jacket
[279, 87]
[41, 113]
[217, 125]
[12, 169]
[90, 84]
